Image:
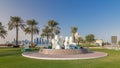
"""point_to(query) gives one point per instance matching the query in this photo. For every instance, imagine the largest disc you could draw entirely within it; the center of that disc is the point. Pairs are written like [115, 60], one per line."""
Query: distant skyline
[98, 17]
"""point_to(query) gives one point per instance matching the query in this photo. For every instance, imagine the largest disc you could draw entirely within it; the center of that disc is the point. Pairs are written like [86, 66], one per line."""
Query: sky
[98, 17]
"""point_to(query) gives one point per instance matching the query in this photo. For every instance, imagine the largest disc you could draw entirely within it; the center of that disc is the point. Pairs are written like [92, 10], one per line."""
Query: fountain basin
[63, 51]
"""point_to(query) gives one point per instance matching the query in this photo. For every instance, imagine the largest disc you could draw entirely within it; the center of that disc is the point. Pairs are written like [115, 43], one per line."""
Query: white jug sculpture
[56, 42]
[71, 41]
[53, 43]
[66, 43]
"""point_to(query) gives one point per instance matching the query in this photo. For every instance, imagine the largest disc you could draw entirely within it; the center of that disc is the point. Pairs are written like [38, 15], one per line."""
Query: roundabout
[64, 49]
[37, 55]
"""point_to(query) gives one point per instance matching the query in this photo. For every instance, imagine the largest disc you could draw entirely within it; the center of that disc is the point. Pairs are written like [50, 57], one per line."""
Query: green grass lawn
[11, 58]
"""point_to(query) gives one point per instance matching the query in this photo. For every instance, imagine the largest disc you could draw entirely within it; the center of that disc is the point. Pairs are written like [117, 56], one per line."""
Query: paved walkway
[91, 55]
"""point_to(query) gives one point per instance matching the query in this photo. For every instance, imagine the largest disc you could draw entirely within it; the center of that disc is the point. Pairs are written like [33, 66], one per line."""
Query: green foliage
[32, 22]
[119, 42]
[53, 26]
[52, 23]
[57, 30]
[90, 38]
[80, 40]
[51, 29]
[46, 31]
[49, 47]
[3, 32]
[32, 29]
[74, 29]
[14, 23]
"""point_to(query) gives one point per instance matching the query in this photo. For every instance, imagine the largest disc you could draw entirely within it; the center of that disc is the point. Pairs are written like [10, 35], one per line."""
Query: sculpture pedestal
[63, 51]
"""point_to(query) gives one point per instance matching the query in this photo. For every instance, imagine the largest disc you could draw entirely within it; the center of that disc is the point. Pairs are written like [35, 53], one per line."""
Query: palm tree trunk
[32, 37]
[47, 38]
[78, 42]
[73, 37]
[16, 35]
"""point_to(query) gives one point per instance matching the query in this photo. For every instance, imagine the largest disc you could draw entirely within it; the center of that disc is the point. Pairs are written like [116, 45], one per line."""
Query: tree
[3, 32]
[57, 30]
[51, 29]
[119, 43]
[90, 38]
[53, 26]
[73, 31]
[46, 32]
[14, 23]
[32, 29]
[80, 40]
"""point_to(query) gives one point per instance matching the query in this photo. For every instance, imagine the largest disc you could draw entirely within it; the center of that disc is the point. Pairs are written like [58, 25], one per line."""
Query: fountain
[65, 46]
[64, 49]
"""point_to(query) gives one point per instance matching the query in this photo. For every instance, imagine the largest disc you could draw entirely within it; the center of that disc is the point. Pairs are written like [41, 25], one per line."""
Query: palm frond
[74, 29]
[11, 25]
[32, 22]
[22, 26]
[0, 23]
[15, 21]
[28, 30]
[35, 30]
[3, 33]
[52, 23]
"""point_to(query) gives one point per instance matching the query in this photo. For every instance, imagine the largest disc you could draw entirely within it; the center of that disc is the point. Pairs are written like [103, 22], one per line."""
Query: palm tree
[3, 32]
[14, 23]
[32, 29]
[50, 29]
[53, 25]
[46, 32]
[73, 31]
[57, 30]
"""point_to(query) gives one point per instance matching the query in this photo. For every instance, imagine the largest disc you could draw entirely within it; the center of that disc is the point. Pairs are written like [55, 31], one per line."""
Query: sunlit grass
[11, 58]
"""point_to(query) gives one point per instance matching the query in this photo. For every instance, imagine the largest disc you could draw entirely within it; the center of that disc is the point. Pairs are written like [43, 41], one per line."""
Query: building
[99, 42]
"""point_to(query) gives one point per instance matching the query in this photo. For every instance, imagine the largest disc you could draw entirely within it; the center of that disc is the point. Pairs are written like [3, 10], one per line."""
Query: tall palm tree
[46, 32]
[52, 25]
[32, 29]
[14, 23]
[73, 31]
[3, 32]
[50, 30]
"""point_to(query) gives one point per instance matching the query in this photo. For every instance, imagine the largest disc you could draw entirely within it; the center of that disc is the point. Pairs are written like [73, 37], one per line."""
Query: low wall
[63, 51]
